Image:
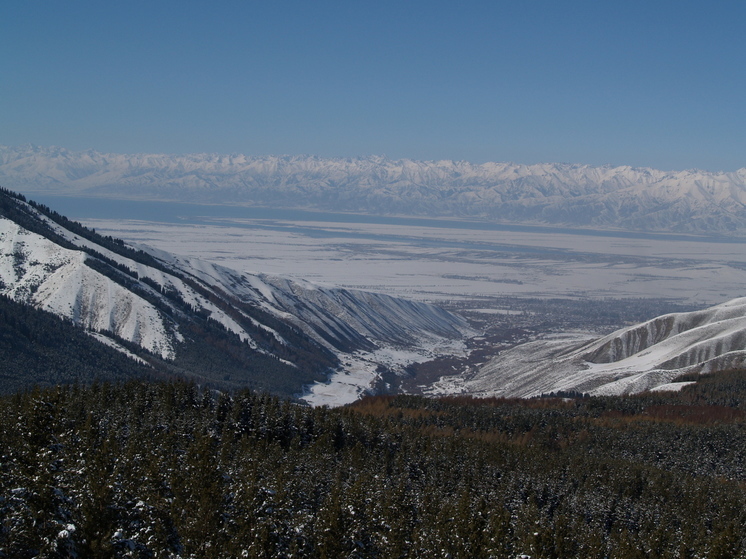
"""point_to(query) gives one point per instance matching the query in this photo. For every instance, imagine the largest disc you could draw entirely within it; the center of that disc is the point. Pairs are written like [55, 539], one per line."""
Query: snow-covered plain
[451, 263]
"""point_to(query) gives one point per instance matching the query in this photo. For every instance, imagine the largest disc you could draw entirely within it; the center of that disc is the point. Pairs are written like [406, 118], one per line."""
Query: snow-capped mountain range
[643, 357]
[552, 193]
[162, 302]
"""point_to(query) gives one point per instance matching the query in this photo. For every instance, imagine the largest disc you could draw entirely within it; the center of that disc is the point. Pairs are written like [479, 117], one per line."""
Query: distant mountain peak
[569, 194]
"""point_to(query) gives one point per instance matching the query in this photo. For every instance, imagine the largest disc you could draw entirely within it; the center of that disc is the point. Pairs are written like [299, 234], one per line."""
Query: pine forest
[170, 470]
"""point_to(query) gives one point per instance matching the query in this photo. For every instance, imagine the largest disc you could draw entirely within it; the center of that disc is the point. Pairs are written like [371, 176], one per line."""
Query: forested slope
[168, 470]
[39, 348]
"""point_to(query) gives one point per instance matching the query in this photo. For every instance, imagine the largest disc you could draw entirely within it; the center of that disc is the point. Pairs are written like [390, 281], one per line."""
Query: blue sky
[658, 84]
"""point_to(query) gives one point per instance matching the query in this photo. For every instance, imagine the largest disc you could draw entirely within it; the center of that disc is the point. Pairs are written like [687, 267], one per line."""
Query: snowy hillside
[552, 193]
[36, 271]
[170, 306]
[630, 360]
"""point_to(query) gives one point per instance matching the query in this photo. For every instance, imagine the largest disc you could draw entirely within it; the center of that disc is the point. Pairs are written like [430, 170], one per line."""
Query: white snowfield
[359, 327]
[574, 195]
[644, 357]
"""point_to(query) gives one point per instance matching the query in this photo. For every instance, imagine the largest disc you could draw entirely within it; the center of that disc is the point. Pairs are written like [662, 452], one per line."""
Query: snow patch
[672, 386]
[111, 343]
[359, 372]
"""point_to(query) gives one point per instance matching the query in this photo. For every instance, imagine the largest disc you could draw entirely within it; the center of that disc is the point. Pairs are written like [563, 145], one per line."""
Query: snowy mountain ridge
[158, 301]
[552, 193]
[637, 358]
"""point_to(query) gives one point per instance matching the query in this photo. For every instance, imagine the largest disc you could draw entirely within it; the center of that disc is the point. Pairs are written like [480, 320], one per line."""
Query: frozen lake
[429, 259]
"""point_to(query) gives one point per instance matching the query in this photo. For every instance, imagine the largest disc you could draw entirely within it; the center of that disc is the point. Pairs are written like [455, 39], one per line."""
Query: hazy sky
[652, 83]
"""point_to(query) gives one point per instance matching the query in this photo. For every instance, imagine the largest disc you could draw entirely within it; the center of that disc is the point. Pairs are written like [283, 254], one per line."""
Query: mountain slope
[39, 348]
[573, 195]
[196, 319]
[633, 359]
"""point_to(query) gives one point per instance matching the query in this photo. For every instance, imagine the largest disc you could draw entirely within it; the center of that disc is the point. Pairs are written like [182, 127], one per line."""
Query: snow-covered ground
[36, 271]
[442, 263]
[359, 371]
[450, 264]
[672, 386]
